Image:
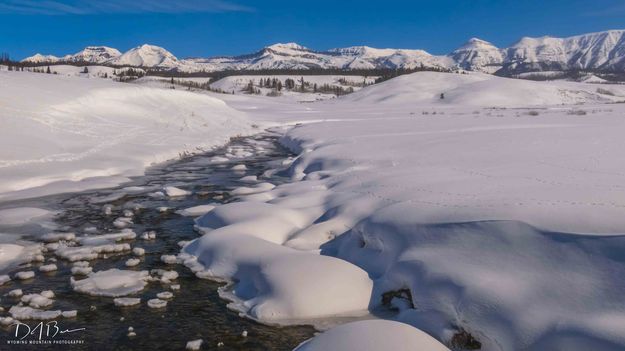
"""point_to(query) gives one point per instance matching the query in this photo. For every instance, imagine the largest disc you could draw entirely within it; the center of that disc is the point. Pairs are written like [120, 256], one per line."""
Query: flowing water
[196, 311]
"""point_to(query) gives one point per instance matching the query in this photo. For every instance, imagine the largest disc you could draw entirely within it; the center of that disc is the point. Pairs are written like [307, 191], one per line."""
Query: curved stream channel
[196, 310]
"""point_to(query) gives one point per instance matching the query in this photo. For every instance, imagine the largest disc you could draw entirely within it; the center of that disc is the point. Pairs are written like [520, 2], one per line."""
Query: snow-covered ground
[494, 214]
[238, 85]
[61, 133]
[479, 210]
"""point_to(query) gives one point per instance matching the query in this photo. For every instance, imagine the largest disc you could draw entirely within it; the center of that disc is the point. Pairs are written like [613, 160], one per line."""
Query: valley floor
[483, 211]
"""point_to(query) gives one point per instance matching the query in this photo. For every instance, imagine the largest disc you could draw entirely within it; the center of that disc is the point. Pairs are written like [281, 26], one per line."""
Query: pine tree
[48, 70]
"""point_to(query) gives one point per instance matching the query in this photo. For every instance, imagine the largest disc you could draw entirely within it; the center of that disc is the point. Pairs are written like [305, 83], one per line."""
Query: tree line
[300, 85]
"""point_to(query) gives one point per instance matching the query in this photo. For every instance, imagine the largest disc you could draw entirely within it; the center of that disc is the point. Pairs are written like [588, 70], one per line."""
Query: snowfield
[476, 89]
[433, 211]
[492, 216]
[62, 133]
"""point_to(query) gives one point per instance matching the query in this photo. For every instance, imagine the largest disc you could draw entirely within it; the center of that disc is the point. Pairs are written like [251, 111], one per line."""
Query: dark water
[196, 311]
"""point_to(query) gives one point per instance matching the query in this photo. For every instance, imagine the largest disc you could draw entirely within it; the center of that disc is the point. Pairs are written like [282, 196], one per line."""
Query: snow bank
[480, 89]
[373, 335]
[274, 283]
[497, 227]
[64, 132]
[12, 255]
[195, 211]
[23, 215]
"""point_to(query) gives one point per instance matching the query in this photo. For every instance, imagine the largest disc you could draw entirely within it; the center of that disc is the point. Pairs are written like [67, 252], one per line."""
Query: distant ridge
[601, 51]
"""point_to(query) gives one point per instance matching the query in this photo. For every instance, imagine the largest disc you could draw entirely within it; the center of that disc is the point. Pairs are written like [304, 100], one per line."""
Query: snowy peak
[287, 46]
[146, 56]
[592, 51]
[96, 54]
[90, 54]
[476, 44]
[39, 58]
[478, 55]
[602, 51]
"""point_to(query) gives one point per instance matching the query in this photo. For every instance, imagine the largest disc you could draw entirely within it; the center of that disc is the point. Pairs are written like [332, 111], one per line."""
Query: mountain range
[601, 51]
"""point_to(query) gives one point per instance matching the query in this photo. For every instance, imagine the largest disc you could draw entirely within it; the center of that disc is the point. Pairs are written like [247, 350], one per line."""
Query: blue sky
[215, 27]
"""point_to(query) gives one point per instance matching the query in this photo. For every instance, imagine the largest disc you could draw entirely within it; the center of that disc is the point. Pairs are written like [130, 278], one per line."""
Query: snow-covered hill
[594, 51]
[59, 131]
[479, 89]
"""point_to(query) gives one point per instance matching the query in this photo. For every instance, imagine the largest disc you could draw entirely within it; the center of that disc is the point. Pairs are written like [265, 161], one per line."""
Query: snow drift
[478, 89]
[58, 129]
[493, 227]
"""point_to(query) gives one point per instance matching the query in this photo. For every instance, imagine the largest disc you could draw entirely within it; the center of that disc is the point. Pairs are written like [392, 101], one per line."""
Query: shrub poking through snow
[463, 340]
[389, 299]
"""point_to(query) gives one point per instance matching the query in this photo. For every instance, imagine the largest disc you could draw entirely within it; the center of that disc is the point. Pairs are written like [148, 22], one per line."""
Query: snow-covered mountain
[39, 58]
[601, 51]
[95, 54]
[295, 56]
[146, 56]
[90, 54]
[594, 51]
[479, 55]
